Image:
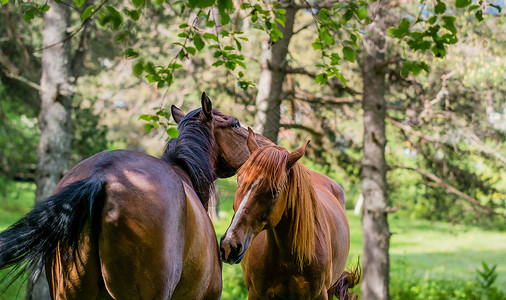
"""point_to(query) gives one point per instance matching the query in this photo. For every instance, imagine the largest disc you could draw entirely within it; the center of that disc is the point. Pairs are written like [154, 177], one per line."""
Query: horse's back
[325, 182]
[140, 248]
[335, 229]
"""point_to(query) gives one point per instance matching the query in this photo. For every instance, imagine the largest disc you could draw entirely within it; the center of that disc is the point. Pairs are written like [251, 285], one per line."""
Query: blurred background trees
[293, 70]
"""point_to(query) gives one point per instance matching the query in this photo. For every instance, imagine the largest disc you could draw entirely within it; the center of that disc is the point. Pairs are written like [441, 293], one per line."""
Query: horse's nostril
[239, 248]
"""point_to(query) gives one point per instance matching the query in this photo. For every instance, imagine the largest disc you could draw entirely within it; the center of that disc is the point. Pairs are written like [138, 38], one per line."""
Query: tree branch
[331, 84]
[299, 126]
[11, 71]
[448, 188]
[311, 98]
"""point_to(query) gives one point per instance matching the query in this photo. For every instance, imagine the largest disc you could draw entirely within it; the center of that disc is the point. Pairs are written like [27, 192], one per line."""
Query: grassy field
[419, 248]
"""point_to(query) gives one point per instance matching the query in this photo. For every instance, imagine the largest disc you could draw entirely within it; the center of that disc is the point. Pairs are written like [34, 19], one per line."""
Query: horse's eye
[236, 125]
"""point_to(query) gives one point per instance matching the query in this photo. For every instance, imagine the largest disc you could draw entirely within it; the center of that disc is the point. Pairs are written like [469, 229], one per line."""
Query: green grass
[419, 248]
[16, 199]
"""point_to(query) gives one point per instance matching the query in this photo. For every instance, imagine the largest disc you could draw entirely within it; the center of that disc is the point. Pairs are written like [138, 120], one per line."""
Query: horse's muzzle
[231, 253]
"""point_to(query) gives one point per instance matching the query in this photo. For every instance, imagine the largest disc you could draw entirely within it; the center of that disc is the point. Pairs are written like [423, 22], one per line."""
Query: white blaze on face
[239, 210]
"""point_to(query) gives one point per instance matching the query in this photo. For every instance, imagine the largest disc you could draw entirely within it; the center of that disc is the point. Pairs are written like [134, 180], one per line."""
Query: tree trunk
[272, 75]
[376, 236]
[53, 150]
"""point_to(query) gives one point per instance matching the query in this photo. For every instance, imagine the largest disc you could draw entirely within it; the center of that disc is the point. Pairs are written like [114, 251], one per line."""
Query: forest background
[293, 71]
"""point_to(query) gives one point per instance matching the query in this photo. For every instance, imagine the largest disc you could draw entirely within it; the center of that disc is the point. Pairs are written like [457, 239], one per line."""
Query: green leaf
[280, 21]
[439, 51]
[223, 7]
[473, 7]
[479, 15]
[324, 14]
[149, 118]
[150, 68]
[326, 36]
[317, 45]
[114, 17]
[321, 78]
[131, 53]
[440, 8]
[362, 12]
[338, 74]
[175, 66]
[218, 63]
[138, 3]
[406, 68]
[44, 8]
[135, 15]
[79, 3]
[30, 14]
[210, 36]
[349, 54]
[88, 12]
[191, 50]
[200, 3]
[462, 3]
[401, 31]
[244, 84]
[138, 68]
[160, 84]
[172, 132]
[335, 59]
[198, 42]
[4, 2]
[230, 65]
[149, 127]
[449, 23]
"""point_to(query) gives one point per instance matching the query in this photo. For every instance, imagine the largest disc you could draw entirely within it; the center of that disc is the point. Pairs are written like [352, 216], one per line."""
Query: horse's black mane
[193, 151]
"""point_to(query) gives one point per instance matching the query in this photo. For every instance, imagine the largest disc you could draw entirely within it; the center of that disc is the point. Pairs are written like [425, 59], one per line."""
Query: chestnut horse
[125, 225]
[290, 229]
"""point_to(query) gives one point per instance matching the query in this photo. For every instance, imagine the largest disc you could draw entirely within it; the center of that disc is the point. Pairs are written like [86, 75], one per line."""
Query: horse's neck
[279, 237]
[186, 179]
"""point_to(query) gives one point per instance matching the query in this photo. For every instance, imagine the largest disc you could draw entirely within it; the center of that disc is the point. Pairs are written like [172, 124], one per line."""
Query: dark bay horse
[290, 229]
[125, 225]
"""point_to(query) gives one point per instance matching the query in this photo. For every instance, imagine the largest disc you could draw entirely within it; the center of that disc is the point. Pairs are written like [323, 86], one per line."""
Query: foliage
[406, 287]
[88, 135]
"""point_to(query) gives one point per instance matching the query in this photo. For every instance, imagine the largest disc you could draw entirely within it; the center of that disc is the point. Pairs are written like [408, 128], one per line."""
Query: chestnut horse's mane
[268, 165]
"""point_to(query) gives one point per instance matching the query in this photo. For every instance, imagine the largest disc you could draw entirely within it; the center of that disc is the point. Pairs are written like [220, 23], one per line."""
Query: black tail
[347, 281]
[59, 219]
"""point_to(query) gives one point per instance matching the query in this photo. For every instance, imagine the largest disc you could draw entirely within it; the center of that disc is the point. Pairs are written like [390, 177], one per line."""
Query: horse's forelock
[267, 164]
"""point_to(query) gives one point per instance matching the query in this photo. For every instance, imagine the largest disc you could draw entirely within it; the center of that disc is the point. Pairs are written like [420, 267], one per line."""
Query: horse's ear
[252, 142]
[177, 114]
[294, 156]
[207, 106]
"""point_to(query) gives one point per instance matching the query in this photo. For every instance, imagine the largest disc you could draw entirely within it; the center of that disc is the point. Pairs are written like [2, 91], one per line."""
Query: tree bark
[376, 235]
[53, 150]
[272, 76]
